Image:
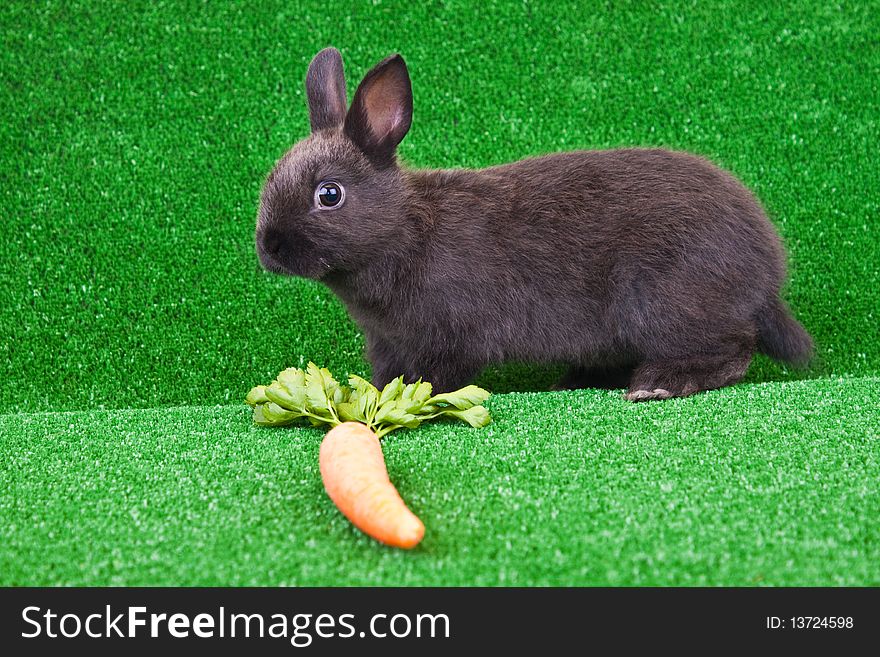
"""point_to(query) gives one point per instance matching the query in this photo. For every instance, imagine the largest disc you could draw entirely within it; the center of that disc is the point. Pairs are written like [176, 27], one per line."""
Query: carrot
[355, 477]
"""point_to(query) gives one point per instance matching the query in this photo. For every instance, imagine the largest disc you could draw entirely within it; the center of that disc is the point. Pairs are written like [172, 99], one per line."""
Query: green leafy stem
[314, 396]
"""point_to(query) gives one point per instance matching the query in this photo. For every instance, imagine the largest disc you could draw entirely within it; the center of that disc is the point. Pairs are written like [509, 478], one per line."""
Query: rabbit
[647, 269]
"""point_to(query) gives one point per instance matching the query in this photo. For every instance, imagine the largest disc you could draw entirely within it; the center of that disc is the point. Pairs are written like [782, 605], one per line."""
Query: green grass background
[134, 316]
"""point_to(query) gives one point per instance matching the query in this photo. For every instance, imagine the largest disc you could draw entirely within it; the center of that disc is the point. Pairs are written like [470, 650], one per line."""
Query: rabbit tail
[781, 336]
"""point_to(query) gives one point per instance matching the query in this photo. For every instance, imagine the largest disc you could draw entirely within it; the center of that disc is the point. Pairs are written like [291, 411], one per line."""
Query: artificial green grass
[136, 139]
[753, 485]
[133, 144]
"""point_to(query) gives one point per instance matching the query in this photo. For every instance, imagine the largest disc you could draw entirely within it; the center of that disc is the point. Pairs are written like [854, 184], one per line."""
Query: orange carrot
[354, 474]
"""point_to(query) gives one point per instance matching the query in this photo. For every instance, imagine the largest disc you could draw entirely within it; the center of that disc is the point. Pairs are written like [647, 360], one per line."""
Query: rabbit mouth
[314, 269]
[270, 264]
[304, 265]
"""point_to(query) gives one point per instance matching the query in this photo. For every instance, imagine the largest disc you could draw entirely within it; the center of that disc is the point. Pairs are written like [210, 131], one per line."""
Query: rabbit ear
[381, 111]
[325, 87]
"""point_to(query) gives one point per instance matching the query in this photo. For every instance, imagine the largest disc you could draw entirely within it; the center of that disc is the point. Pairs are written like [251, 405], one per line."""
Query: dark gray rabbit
[647, 268]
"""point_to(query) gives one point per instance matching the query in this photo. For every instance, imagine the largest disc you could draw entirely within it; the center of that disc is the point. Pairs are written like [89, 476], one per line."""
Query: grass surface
[763, 484]
[134, 141]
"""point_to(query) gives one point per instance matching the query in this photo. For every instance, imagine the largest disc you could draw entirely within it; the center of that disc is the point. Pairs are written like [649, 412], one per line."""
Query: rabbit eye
[329, 195]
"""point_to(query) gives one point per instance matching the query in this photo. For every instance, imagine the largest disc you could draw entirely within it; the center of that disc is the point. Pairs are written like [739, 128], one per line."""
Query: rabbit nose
[272, 241]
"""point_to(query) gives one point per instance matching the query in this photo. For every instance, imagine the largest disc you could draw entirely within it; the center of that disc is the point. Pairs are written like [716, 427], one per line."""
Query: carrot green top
[313, 395]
